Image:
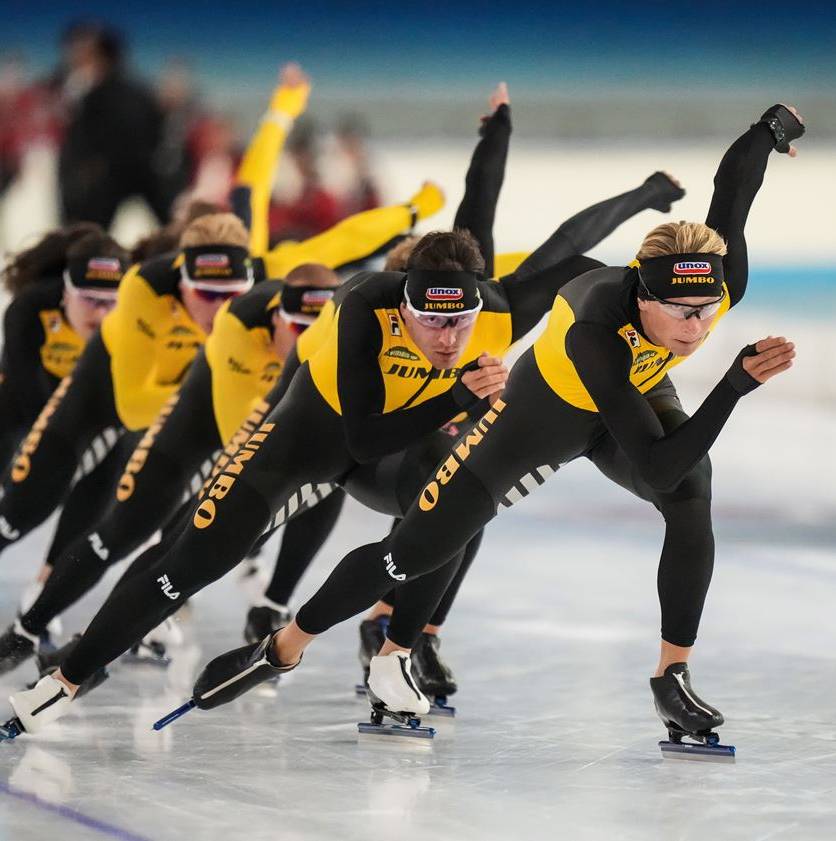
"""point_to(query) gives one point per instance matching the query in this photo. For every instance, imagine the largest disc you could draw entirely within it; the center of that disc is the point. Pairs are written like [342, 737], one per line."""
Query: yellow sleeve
[258, 166]
[349, 240]
[237, 358]
[505, 264]
[130, 333]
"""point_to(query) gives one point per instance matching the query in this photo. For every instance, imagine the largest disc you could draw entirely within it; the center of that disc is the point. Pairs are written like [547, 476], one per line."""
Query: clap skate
[230, 675]
[687, 716]
[393, 694]
[35, 708]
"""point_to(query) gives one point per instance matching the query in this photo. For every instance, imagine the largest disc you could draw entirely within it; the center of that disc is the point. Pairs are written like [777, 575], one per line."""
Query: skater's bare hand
[499, 96]
[488, 379]
[774, 356]
[291, 75]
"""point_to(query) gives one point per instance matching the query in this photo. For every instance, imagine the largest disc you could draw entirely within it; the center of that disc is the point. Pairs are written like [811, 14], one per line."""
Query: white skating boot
[38, 707]
[393, 694]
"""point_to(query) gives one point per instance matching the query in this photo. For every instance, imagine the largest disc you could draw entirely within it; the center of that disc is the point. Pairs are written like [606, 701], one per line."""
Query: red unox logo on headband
[317, 298]
[211, 261]
[104, 264]
[688, 268]
[444, 293]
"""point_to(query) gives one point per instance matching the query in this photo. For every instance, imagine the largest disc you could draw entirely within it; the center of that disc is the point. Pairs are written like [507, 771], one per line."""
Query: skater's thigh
[613, 462]
[390, 484]
[300, 441]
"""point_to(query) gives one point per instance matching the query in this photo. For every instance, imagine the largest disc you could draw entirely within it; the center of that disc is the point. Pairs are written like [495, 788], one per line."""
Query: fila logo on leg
[97, 545]
[167, 588]
[392, 569]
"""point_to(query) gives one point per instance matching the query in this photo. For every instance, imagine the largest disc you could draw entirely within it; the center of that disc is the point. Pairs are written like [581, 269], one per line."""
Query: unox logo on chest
[211, 261]
[444, 293]
[696, 267]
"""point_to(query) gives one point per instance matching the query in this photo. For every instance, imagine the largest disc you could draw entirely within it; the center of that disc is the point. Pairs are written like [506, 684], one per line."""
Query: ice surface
[553, 639]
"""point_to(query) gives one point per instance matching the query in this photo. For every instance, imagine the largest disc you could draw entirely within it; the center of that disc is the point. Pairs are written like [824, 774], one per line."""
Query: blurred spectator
[359, 192]
[28, 116]
[313, 208]
[114, 130]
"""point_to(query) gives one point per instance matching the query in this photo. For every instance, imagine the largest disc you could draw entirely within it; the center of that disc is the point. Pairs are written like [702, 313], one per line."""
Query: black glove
[502, 115]
[785, 127]
[739, 378]
[464, 398]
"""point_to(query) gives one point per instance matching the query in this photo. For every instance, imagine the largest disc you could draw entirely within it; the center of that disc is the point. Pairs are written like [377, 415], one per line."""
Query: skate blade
[395, 734]
[11, 730]
[441, 708]
[700, 753]
[174, 715]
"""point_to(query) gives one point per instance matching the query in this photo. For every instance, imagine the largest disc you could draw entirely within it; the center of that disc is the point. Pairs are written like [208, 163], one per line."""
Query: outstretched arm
[254, 179]
[602, 361]
[586, 229]
[736, 184]
[485, 175]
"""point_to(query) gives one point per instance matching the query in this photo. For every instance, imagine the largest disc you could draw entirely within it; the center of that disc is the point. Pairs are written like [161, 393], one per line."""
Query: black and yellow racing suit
[40, 348]
[593, 385]
[226, 386]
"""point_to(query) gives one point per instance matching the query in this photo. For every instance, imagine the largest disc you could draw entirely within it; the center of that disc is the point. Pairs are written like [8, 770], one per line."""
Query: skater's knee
[695, 487]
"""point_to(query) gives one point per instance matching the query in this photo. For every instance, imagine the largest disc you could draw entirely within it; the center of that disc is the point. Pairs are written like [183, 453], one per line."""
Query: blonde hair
[397, 257]
[681, 238]
[215, 229]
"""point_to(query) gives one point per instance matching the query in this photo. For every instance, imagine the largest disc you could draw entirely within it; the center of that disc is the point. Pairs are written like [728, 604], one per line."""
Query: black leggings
[300, 444]
[74, 432]
[509, 453]
[155, 477]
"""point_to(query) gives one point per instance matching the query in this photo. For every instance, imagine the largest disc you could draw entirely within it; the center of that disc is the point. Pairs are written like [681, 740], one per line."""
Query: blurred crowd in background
[118, 135]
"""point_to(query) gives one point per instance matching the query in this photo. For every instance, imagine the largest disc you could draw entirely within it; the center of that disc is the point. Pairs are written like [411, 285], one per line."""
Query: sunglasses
[684, 311]
[437, 321]
[212, 296]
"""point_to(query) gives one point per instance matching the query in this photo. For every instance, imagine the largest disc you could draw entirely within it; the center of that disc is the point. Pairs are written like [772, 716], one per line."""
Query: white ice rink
[553, 639]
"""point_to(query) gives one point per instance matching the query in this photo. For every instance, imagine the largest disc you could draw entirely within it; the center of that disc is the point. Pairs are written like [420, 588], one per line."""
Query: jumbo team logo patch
[697, 267]
[211, 261]
[444, 293]
[633, 338]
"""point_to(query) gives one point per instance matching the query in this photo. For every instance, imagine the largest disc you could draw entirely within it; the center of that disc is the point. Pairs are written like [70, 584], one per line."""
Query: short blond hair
[215, 229]
[681, 238]
[397, 257]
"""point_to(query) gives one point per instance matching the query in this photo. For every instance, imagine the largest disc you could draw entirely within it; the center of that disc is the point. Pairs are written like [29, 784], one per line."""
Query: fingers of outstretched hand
[499, 96]
[774, 356]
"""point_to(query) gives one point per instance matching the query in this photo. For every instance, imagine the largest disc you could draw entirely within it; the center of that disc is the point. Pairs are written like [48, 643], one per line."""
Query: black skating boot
[685, 714]
[234, 673]
[433, 676]
[372, 637]
[265, 619]
[16, 646]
